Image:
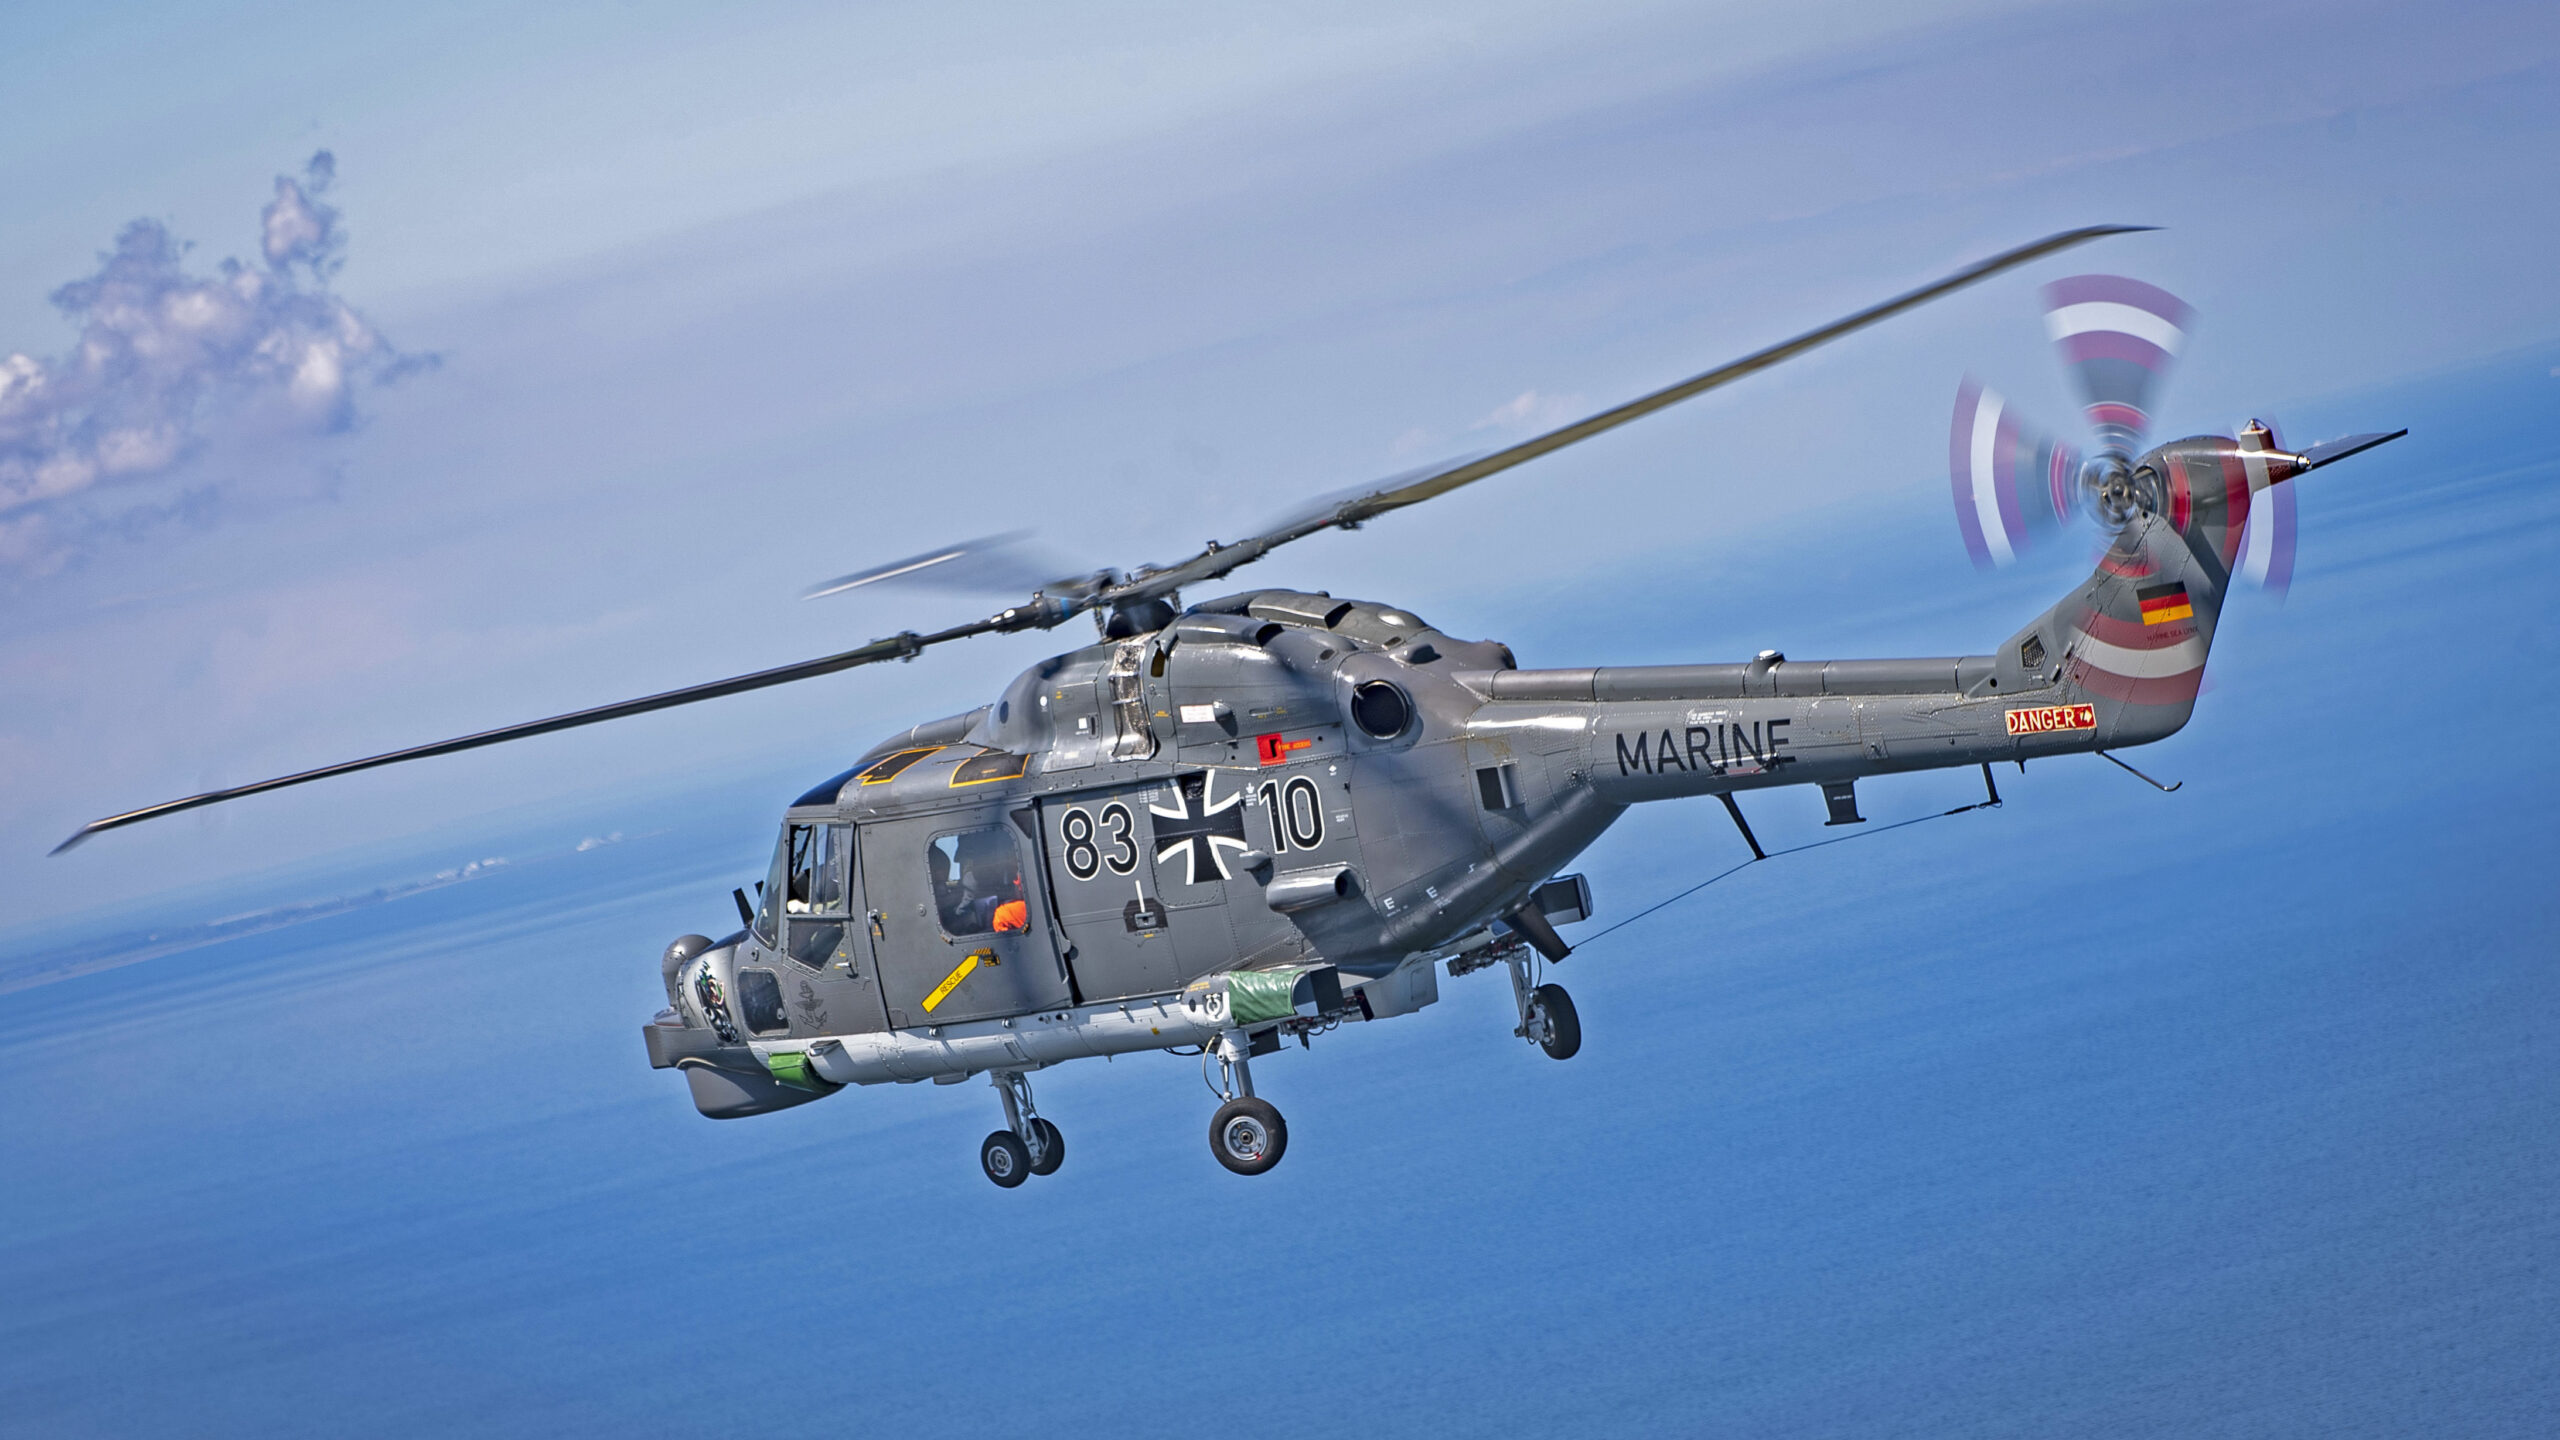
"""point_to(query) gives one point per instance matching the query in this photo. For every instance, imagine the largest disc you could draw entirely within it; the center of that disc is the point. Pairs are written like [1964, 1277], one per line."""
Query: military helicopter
[1257, 817]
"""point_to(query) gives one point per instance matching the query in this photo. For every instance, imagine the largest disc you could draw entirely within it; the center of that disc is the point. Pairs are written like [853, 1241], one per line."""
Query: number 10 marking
[1297, 816]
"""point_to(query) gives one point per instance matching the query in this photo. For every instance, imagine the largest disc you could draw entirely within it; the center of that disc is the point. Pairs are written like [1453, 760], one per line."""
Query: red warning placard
[2044, 719]
[1275, 749]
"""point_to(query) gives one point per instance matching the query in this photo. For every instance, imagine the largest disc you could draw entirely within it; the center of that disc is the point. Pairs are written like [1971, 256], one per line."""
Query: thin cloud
[1535, 411]
[169, 365]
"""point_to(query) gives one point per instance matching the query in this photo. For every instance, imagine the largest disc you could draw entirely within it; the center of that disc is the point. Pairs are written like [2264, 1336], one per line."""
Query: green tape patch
[791, 1067]
[1254, 996]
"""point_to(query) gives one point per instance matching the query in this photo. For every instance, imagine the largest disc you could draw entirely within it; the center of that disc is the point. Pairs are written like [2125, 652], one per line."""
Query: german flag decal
[2162, 604]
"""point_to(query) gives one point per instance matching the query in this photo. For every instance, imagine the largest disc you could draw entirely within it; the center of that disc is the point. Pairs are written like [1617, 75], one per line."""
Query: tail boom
[1667, 731]
[2116, 663]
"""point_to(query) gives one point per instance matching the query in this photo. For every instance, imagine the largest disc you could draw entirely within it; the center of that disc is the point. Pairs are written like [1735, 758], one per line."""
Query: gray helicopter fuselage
[1281, 781]
[1279, 812]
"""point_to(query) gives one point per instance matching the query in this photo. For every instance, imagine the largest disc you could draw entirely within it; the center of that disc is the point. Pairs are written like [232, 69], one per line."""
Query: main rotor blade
[1217, 560]
[916, 567]
[896, 647]
[994, 563]
[1045, 611]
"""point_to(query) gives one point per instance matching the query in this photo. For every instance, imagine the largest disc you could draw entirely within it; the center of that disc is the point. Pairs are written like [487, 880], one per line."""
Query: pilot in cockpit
[812, 879]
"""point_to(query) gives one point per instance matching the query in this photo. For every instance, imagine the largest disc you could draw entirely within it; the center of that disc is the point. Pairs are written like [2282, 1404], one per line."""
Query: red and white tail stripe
[2135, 663]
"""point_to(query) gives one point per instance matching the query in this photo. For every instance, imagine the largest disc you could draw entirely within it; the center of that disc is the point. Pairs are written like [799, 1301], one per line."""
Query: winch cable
[1992, 803]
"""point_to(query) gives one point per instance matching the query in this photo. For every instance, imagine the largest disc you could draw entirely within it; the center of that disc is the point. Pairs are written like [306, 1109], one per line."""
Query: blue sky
[2106, 1112]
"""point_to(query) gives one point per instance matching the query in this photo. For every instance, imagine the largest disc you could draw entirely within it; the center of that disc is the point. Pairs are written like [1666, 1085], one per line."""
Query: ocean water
[2231, 1111]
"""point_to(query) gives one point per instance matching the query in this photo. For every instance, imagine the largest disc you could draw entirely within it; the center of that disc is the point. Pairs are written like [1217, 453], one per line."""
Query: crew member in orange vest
[996, 904]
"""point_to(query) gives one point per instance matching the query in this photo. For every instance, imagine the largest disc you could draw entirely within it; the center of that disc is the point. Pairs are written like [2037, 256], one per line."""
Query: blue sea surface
[2229, 1111]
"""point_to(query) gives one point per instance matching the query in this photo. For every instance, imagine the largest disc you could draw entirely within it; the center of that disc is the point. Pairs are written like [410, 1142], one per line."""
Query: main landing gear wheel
[1248, 1136]
[1005, 1159]
[1552, 1022]
[1053, 1147]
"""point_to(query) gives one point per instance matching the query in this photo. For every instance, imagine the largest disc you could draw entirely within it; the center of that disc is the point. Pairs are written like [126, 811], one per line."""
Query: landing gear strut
[1028, 1145]
[1547, 1018]
[1247, 1134]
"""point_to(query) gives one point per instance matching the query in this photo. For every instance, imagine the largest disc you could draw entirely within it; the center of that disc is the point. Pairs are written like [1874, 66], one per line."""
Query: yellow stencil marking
[950, 983]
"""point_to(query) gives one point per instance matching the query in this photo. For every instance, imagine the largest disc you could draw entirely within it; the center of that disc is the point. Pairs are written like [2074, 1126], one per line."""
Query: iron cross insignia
[1200, 827]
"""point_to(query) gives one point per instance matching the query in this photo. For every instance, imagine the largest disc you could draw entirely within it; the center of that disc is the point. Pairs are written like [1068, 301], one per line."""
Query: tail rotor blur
[2014, 486]
[2117, 338]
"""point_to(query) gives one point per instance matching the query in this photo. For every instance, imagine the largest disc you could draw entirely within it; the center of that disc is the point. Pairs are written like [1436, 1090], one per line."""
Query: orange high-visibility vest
[1012, 915]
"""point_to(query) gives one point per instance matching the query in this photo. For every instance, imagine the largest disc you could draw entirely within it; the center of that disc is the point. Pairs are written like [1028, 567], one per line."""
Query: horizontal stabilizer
[2330, 451]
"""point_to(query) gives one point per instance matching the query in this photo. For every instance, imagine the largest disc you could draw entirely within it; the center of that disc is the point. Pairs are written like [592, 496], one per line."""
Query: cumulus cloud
[168, 362]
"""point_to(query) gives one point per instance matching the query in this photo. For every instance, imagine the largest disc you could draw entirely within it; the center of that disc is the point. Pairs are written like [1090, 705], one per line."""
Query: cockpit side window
[814, 886]
[977, 882]
[814, 870]
[807, 878]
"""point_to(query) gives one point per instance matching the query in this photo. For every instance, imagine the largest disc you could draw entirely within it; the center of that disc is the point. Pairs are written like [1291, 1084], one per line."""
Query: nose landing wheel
[1053, 1147]
[1547, 1018]
[1552, 1023]
[1029, 1145]
[1005, 1159]
[1248, 1136]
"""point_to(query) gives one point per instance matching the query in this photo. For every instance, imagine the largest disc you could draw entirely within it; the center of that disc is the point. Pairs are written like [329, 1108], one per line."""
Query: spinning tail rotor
[2117, 337]
[2014, 486]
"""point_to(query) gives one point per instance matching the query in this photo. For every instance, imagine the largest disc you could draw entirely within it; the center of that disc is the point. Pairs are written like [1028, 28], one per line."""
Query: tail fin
[2132, 641]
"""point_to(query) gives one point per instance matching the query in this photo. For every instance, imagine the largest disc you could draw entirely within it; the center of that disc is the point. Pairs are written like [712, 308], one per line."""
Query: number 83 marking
[1085, 859]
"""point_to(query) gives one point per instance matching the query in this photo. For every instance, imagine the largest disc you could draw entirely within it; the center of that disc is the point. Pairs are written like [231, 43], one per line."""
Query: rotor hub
[2117, 494]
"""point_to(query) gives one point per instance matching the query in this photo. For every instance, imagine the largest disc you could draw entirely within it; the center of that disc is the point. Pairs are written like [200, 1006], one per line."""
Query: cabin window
[977, 882]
